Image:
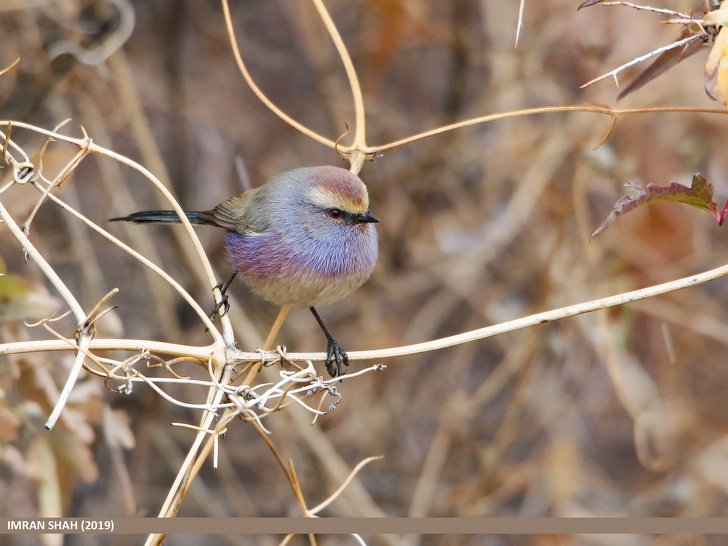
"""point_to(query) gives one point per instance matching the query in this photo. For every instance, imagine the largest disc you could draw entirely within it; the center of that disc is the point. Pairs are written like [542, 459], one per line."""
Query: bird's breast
[301, 270]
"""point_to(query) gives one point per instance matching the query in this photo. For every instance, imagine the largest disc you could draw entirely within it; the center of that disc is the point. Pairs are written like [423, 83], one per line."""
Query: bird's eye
[334, 214]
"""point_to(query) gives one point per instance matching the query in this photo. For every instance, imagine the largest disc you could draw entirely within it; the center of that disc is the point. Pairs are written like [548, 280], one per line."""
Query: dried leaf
[664, 62]
[699, 194]
[716, 69]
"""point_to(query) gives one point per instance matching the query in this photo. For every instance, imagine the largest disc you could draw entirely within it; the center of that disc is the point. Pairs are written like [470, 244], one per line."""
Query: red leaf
[699, 195]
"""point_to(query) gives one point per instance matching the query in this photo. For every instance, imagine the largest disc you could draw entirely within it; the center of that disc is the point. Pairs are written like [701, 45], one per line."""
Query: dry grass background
[621, 412]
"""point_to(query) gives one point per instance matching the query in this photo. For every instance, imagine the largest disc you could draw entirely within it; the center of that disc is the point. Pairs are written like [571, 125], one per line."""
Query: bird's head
[339, 198]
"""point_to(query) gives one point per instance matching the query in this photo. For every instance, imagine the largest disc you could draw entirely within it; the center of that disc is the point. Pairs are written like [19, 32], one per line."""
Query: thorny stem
[662, 11]
[637, 60]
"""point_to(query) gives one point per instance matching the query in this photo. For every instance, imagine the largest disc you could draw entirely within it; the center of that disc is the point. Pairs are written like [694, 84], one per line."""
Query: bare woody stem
[375, 354]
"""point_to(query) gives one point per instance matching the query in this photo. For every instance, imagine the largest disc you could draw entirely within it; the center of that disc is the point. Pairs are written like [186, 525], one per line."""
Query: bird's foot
[223, 304]
[335, 358]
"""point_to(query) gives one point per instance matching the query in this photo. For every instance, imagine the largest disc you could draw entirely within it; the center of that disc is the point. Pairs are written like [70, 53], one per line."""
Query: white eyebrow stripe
[329, 199]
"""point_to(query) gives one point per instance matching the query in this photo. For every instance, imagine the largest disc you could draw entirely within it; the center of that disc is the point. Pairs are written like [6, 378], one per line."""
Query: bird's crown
[334, 187]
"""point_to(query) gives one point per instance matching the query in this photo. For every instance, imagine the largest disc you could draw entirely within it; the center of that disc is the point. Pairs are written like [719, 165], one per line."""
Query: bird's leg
[335, 355]
[224, 303]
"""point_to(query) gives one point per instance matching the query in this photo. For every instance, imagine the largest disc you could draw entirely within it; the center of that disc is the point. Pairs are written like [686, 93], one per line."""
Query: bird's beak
[365, 218]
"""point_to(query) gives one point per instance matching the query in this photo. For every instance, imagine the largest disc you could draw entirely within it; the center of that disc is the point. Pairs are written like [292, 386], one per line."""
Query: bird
[304, 238]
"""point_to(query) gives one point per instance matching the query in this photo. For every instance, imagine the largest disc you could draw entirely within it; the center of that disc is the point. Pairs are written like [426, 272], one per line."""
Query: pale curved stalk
[44, 266]
[427, 346]
[158, 270]
[8, 68]
[199, 452]
[92, 147]
[65, 293]
[510, 326]
[259, 93]
[188, 405]
[605, 110]
[360, 117]
[158, 347]
[186, 473]
[73, 374]
[316, 509]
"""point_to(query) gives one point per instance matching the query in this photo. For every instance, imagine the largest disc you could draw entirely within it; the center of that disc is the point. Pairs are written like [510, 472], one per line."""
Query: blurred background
[617, 413]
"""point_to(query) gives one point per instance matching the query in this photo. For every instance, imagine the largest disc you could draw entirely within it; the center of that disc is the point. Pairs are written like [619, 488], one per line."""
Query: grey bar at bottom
[369, 526]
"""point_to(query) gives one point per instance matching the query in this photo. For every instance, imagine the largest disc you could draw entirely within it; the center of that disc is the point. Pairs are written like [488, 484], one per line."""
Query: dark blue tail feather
[160, 216]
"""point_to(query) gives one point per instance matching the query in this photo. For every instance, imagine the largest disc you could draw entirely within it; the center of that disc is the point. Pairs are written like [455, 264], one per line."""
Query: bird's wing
[234, 214]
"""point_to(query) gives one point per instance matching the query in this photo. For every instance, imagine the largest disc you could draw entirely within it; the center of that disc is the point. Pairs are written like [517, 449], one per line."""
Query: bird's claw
[223, 304]
[335, 358]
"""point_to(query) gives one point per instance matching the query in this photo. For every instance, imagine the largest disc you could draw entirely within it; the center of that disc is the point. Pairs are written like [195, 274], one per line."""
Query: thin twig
[316, 509]
[259, 93]
[94, 148]
[84, 333]
[605, 110]
[637, 60]
[113, 43]
[161, 347]
[198, 452]
[433, 345]
[158, 270]
[81, 318]
[44, 266]
[9, 67]
[663, 11]
[356, 156]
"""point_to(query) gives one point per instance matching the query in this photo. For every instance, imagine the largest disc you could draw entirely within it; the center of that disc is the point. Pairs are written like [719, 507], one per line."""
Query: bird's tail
[164, 216]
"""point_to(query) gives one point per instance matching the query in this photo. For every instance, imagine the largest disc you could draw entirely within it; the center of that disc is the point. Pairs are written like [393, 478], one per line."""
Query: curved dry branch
[89, 146]
[104, 344]
[235, 355]
[147, 263]
[259, 93]
[604, 110]
[316, 509]
[8, 68]
[113, 43]
[44, 266]
[356, 156]
[85, 335]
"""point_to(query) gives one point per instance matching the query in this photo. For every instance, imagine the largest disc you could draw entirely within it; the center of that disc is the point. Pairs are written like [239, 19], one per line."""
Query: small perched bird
[306, 237]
